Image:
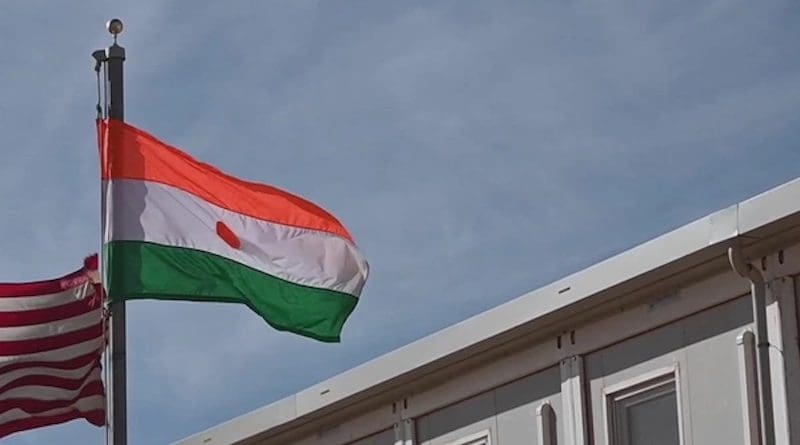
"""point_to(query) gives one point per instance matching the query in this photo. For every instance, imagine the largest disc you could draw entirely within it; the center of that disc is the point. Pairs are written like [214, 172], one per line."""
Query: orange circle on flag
[228, 235]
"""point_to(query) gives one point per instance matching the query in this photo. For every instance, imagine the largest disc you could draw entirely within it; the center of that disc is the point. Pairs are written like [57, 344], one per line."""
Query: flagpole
[115, 57]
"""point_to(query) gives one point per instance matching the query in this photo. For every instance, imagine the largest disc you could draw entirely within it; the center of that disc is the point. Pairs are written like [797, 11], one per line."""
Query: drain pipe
[758, 292]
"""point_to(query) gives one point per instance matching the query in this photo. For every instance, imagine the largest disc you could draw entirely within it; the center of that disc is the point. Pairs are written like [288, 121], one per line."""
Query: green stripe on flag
[141, 270]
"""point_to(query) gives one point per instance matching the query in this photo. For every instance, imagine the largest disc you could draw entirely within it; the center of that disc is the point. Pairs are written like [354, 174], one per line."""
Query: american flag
[51, 340]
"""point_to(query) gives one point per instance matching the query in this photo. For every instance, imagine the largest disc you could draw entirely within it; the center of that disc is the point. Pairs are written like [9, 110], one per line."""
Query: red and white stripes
[51, 341]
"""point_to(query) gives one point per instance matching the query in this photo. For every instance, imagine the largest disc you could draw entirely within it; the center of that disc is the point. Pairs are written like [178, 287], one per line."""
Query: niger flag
[179, 229]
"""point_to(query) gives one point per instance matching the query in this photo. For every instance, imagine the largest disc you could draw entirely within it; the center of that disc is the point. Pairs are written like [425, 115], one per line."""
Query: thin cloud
[475, 151]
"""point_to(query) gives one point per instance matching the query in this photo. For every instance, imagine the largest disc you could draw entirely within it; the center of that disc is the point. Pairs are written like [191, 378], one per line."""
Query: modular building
[657, 345]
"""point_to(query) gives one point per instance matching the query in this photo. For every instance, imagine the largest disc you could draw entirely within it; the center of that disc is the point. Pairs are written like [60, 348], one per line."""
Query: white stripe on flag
[19, 304]
[84, 405]
[49, 393]
[161, 214]
[55, 355]
[11, 376]
[51, 329]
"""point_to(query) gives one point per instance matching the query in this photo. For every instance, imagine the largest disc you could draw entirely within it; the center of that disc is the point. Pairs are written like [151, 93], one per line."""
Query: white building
[653, 346]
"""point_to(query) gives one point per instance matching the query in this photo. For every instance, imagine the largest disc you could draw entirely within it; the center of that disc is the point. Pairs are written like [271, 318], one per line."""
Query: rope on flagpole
[102, 93]
[101, 108]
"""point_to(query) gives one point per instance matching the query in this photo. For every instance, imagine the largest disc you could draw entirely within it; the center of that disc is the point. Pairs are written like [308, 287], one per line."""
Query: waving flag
[51, 339]
[179, 229]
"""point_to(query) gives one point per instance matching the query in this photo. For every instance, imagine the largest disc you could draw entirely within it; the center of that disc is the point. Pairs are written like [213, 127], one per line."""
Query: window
[644, 411]
[481, 438]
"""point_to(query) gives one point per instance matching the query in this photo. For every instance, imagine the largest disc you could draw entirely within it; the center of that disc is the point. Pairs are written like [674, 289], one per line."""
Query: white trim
[783, 358]
[748, 385]
[399, 438]
[545, 419]
[573, 401]
[409, 432]
[679, 392]
[473, 439]
[791, 355]
[640, 379]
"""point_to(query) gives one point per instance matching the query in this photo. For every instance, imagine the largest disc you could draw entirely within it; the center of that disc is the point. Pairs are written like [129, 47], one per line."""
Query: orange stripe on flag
[130, 153]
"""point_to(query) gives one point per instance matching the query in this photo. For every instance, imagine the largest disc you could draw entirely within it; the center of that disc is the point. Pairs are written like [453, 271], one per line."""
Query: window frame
[640, 388]
[474, 439]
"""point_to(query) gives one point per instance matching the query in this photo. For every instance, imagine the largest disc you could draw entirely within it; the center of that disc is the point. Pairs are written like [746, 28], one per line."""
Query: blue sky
[476, 150]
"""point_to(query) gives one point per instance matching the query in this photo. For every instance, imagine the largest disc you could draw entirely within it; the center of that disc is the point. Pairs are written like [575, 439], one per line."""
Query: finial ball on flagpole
[114, 26]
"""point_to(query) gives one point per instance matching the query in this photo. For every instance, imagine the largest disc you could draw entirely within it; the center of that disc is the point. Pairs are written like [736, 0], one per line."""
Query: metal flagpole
[115, 57]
